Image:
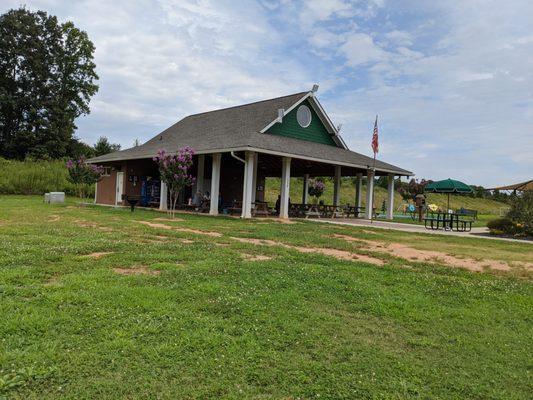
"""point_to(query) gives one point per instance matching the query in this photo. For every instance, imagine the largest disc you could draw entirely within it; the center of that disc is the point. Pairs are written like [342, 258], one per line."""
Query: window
[303, 116]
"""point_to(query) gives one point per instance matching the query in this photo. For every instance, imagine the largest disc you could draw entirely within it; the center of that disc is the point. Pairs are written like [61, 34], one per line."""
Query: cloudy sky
[452, 81]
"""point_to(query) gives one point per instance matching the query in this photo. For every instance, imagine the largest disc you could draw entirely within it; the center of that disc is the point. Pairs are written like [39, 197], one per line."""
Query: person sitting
[197, 199]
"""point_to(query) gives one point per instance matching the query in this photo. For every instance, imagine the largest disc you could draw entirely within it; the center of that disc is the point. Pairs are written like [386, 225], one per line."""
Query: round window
[303, 115]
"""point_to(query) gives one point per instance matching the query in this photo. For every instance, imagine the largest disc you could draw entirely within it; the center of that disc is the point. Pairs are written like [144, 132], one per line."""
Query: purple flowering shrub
[316, 188]
[82, 174]
[175, 172]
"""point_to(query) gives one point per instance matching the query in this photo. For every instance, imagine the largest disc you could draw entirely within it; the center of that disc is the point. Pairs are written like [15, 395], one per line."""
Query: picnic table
[448, 222]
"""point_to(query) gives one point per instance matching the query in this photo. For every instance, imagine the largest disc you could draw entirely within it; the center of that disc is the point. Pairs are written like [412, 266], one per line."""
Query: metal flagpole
[374, 148]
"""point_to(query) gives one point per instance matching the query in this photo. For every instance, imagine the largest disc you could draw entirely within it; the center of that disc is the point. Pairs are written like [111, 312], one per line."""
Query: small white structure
[54, 197]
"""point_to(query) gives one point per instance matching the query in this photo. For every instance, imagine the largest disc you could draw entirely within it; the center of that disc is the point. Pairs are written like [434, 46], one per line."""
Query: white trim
[288, 110]
[215, 183]
[324, 118]
[117, 200]
[285, 187]
[390, 200]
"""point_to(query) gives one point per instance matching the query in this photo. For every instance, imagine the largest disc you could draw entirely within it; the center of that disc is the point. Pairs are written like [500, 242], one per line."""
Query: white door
[120, 186]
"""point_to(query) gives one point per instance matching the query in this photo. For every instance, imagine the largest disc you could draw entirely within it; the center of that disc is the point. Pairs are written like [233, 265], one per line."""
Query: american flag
[375, 144]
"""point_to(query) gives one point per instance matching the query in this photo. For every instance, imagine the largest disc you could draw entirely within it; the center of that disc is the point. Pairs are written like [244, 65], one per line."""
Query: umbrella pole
[448, 209]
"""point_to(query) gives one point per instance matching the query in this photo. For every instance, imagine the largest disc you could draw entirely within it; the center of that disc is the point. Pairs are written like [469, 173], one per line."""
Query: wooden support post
[359, 190]
[200, 173]
[337, 186]
[285, 187]
[254, 178]
[163, 197]
[369, 194]
[247, 186]
[215, 183]
[305, 194]
[390, 199]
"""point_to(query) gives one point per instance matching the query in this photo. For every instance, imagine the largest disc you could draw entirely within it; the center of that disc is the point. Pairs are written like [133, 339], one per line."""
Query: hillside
[483, 206]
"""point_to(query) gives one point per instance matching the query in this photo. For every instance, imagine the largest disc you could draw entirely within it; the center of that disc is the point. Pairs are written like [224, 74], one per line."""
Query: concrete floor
[482, 232]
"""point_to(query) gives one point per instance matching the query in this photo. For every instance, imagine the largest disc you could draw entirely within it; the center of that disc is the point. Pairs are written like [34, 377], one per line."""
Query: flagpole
[368, 184]
[373, 172]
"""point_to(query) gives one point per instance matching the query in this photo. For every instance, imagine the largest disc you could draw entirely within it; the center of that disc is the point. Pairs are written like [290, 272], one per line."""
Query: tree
[103, 146]
[82, 174]
[174, 171]
[47, 78]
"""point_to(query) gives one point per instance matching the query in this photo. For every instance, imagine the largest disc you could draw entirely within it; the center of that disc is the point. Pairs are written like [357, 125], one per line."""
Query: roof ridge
[246, 104]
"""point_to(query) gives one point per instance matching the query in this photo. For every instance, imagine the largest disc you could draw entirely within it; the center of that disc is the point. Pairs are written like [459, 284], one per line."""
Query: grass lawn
[98, 302]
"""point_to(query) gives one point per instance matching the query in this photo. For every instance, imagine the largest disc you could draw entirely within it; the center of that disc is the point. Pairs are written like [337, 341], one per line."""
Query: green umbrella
[448, 186]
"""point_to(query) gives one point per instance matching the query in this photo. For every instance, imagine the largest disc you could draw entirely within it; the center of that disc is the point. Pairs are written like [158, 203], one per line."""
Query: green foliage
[47, 78]
[36, 177]
[103, 146]
[501, 224]
[82, 174]
[521, 211]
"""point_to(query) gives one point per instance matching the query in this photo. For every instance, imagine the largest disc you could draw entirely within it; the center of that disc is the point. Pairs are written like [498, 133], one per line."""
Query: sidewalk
[481, 233]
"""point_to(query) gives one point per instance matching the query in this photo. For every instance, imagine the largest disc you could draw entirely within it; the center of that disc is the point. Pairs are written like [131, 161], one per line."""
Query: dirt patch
[98, 254]
[85, 224]
[187, 241]
[169, 219]
[339, 254]
[54, 218]
[255, 257]
[221, 244]
[410, 253]
[179, 229]
[155, 225]
[137, 270]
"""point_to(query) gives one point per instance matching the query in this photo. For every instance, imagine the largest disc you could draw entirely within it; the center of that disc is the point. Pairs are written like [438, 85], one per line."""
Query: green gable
[315, 132]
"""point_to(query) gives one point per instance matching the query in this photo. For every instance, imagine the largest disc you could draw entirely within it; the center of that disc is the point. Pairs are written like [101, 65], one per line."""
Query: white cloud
[360, 48]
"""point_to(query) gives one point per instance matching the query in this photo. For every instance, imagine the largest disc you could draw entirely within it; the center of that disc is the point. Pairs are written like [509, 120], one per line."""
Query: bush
[36, 177]
[501, 224]
[521, 212]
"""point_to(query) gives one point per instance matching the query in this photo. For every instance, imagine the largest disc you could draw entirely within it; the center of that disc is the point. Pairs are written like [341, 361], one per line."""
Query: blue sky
[452, 81]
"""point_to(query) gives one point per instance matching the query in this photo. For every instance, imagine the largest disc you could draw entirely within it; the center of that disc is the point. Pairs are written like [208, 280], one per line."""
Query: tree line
[47, 79]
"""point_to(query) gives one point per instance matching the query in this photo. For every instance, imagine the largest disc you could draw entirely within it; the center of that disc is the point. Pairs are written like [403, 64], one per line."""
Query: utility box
[47, 197]
[57, 197]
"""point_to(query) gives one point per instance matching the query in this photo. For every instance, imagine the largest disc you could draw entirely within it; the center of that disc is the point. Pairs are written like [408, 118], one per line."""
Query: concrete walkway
[481, 233]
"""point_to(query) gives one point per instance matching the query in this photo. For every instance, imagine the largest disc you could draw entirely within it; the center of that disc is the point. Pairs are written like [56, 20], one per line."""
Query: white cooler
[57, 197]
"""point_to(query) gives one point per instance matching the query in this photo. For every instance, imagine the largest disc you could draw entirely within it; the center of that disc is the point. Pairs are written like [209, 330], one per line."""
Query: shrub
[36, 177]
[501, 224]
[521, 212]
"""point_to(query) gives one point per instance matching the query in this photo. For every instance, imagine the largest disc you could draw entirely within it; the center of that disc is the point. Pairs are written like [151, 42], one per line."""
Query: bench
[467, 213]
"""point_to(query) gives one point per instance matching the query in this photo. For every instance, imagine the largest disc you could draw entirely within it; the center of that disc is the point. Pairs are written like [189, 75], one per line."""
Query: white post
[305, 194]
[254, 178]
[285, 187]
[215, 183]
[95, 192]
[163, 193]
[369, 193]
[359, 190]
[200, 173]
[337, 186]
[247, 186]
[390, 202]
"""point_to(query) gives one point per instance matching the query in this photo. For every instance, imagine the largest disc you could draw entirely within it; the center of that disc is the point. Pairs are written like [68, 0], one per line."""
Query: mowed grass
[205, 321]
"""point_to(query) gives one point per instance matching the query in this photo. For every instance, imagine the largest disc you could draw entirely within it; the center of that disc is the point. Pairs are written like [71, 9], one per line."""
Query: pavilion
[236, 148]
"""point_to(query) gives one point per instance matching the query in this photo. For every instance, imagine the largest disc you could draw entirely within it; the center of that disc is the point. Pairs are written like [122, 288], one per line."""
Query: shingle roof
[238, 128]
